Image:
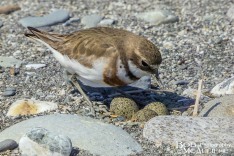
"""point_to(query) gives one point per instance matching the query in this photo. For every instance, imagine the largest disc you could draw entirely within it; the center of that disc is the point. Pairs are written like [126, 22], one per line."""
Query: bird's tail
[43, 37]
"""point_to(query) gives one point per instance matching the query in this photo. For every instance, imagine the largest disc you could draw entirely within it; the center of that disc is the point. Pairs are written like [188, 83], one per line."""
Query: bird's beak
[158, 80]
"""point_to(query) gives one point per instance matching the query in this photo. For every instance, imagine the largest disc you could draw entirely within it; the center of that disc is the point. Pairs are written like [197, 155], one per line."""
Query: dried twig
[197, 98]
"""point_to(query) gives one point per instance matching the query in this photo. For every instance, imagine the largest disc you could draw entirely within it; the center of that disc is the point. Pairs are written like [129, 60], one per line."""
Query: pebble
[219, 107]
[71, 20]
[30, 106]
[9, 8]
[181, 129]
[40, 141]
[223, 88]
[158, 17]
[58, 16]
[106, 22]
[34, 66]
[8, 144]
[9, 62]
[230, 12]
[1, 23]
[181, 82]
[91, 20]
[86, 133]
[9, 92]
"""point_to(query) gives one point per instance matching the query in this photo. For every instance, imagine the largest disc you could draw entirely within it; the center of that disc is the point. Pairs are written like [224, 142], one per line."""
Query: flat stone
[91, 20]
[230, 12]
[40, 141]
[30, 106]
[53, 18]
[219, 107]
[9, 8]
[9, 92]
[177, 130]
[34, 66]
[8, 144]
[89, 134]
[9, 62]
[158, 17]
[224, 88]
[106, 22]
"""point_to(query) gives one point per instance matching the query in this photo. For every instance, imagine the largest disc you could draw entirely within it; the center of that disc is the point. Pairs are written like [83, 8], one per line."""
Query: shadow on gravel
[170, 99]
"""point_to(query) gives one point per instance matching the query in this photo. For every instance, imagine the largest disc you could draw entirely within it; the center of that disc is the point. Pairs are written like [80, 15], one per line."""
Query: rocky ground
[196, 39]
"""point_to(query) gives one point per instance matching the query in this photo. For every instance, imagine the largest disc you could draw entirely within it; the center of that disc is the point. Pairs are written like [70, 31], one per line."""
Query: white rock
[39, 141]
[29, 106]
[34, 66]
[106, 22]
[158, 17]
[180, 129]
[223, 88]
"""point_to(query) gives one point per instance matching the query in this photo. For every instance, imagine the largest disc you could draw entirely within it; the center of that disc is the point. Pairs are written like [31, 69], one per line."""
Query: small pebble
[106, 22]
[9, 92]
[181, 82]
[8, 144]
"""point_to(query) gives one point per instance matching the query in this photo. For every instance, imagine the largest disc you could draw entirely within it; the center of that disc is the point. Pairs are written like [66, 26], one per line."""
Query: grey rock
[180, 129]
[86, 133]
[9, 92]
[8, 144]
[181, 82]
[224, 88]
[53, 18]
[91, 20]
[106, 22]
[219, 107]
[9, 62]
[157, 17]
[230, 12]
[1, 23]
[40, 141]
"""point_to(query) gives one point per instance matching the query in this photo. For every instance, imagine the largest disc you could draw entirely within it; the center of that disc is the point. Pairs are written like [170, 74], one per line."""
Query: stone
[230, 12]
[34, 66]
[9, 62]
[144, 115]
[40, 141]
[157, 17]
[86, 133]
[181, 82]
[1, 23]
[8, 144]
[224, 88]
[157, 107]
[91, 20]
[123, 107]
[219, 107]
[9, 92]
[71, 20]
[142, 83]
[9, 9]
[181, 129]
[58, 16]
[106, 22]
[30, 106]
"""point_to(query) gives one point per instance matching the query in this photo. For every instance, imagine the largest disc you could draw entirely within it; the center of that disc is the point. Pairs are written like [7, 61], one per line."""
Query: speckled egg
[123, 107]
[144, 115]
[158, 107]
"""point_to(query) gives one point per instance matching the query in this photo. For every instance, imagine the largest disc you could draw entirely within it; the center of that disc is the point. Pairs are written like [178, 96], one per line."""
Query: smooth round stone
[8, 144]
[53, 18]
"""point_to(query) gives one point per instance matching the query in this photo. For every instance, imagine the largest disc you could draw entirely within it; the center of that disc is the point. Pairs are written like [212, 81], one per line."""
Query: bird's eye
[144, 64]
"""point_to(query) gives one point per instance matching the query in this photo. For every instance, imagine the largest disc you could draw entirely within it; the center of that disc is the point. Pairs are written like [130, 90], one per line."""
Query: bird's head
[144, 59]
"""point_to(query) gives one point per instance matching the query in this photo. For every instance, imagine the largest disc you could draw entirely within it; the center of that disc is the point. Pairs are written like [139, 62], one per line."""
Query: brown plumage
[127, 56]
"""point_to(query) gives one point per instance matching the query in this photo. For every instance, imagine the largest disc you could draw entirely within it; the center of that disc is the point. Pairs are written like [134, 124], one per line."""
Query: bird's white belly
[88, 76]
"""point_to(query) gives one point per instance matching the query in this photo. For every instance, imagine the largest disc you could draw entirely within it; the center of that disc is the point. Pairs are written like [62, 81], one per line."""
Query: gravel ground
[199, 46]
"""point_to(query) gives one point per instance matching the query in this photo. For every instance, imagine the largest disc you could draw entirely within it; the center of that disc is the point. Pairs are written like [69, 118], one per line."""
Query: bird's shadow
[169, 99]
